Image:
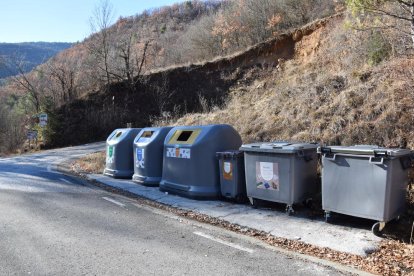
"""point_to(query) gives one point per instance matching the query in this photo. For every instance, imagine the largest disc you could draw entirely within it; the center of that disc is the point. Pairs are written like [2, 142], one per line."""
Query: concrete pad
[315, 232]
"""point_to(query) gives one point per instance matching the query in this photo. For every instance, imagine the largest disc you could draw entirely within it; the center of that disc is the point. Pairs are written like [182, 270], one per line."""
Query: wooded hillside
[122, 56]
[341, 80]
[32, 53]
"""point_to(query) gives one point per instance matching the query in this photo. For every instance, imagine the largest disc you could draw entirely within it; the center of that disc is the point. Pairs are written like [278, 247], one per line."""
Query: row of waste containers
[210, 161]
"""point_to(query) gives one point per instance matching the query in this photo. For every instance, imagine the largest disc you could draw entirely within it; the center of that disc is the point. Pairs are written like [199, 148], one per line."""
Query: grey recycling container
[119, 157]
[365, 181]
[232, 177]
[148, 155]
[281, 172]
[190, 165]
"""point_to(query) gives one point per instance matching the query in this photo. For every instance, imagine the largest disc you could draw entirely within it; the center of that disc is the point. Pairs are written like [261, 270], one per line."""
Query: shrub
[378, 48]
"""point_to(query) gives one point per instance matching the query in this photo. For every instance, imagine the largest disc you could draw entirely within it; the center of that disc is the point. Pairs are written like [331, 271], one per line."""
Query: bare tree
[11, 129]
[63, 81]
[117, 55]
[162, 94]
[202, 43]
[400, 10]
[100, 44]
[22, 79]
[131, 59]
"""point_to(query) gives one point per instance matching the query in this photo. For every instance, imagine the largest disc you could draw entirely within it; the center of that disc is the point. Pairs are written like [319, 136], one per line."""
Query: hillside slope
[33, 54]
[323, 90]
[178, 90]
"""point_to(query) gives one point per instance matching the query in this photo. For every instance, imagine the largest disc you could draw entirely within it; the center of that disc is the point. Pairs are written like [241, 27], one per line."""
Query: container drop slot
[115, 135]
[184, 136]
[147, 134]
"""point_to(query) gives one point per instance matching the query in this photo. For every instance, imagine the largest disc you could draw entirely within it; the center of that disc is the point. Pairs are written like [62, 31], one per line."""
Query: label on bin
[179, 153]
[143, 140]
[267, 176]
[227, 171]
[110, 154]
[140, 163]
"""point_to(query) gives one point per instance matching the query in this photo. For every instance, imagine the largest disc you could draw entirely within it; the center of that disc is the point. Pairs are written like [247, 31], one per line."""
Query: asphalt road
[51, 224]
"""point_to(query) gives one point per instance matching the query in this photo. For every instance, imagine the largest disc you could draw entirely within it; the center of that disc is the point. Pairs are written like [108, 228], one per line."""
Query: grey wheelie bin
[232, 177]
[281, 172]
[119, 158]
[190, 165]
[148, 155]
[365, 181]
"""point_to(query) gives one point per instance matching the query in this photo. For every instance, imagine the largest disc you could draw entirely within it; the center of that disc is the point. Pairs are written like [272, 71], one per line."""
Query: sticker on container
[267, 176]
[185, 153]
[110, 155]
[227, 170]
[170, 152]
[140, 163]
[179, 153]
[143, 140]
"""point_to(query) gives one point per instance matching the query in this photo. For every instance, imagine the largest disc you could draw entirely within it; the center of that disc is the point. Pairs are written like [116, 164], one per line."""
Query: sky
[60, 20]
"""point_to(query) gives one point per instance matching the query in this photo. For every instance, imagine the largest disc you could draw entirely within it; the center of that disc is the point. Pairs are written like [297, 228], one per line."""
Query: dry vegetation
[91, 163]
[327, 92]
[125, 52]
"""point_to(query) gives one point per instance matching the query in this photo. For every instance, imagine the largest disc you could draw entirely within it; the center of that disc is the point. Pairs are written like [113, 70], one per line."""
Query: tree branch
[382, 12]
[406, 3]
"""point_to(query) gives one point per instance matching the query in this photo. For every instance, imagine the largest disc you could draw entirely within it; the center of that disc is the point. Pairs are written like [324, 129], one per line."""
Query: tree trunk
[412, 23]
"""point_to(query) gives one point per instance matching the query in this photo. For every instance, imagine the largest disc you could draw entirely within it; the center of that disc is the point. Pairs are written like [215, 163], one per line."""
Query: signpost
[31, 135]
[43, 120]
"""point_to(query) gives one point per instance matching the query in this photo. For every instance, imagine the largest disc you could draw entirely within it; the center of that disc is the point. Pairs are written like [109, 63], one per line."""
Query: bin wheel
[327, 217]
[309, 203]
[240, 198]
[377, 228]
[289, 210]
[253, 202]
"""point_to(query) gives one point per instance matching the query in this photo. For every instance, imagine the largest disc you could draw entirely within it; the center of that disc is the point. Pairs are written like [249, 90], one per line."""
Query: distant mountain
[33, 54]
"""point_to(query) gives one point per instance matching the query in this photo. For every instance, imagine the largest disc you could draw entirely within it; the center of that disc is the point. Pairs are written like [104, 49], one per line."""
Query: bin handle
[376, 162]
[406, 162]
[301, 153]
[329, 158]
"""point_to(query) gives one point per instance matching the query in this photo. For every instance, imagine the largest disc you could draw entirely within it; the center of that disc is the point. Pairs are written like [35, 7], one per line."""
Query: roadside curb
[65, 168]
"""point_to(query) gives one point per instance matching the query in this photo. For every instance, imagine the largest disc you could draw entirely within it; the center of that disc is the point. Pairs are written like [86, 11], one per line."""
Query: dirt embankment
[171, 93]
[325, 90]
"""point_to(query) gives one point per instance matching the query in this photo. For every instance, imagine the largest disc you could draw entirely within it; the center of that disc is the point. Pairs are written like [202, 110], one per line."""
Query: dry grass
[327, 93]
[91, 163]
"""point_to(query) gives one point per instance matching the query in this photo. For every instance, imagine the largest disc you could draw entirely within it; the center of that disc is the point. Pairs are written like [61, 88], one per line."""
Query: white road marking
[65, 180]
[114, 201]
[52, 169]
[236, 246]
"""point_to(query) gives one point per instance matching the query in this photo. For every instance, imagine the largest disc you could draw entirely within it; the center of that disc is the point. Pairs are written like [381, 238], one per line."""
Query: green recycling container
[119, 156]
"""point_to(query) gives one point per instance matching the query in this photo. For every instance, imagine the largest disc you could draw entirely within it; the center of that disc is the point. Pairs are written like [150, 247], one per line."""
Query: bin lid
[364, 150]
[278, 147]
[229, 154]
